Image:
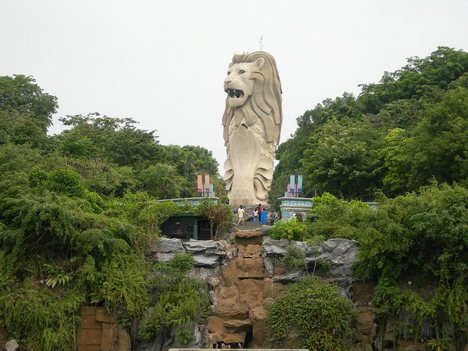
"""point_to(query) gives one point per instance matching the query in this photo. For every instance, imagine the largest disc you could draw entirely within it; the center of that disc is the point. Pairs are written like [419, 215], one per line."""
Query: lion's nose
[227, 81]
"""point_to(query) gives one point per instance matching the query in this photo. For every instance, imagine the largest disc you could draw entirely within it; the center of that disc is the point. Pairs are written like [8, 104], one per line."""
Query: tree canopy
[399, 134]
[25, 111]
[402, 142]
[77, 213]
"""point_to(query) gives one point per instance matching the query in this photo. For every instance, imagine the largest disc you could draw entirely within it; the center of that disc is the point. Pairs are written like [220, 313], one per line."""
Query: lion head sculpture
[254, 92]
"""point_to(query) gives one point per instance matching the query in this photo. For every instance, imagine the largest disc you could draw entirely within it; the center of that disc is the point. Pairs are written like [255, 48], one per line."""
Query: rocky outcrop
[100, 331]
[332, 260]
[238, 299]
[206, 253]
[245, 276]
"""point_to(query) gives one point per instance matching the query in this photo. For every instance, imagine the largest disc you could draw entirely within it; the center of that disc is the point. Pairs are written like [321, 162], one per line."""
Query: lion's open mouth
[234, 93]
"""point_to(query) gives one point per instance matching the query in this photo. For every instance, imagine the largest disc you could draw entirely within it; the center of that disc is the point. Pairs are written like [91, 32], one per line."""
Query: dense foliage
[178, 300]
[311, 314]
[402, 142]
[25, 111]
[420, 238]
[77, 213]
[419, 242]
[289, 229]
[397, 135]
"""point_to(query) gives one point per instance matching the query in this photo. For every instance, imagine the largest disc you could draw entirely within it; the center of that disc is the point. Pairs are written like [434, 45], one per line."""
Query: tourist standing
[259, 210]
[263, 216]
[255, 215]
[240, 214]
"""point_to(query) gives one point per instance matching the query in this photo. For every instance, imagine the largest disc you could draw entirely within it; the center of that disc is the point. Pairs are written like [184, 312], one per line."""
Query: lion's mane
[265, 102]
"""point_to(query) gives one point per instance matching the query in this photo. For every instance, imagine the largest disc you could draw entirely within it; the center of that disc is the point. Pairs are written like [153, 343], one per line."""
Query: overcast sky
[163, 63]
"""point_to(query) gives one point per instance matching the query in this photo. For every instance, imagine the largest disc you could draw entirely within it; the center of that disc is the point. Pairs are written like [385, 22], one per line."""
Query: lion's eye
[241, 71]
[229, 72]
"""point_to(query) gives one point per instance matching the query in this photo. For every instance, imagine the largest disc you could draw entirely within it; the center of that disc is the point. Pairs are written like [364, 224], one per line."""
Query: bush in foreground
[311, 314]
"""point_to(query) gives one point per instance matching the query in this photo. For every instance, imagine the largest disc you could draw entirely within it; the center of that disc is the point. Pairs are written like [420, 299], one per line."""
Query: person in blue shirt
[264, 216]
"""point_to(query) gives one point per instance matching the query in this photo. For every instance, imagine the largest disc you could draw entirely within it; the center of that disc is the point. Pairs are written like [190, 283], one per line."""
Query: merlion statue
[252, 124]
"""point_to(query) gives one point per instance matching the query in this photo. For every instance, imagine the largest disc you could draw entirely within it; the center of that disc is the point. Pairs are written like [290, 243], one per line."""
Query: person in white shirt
[255, 215]
[240, 213]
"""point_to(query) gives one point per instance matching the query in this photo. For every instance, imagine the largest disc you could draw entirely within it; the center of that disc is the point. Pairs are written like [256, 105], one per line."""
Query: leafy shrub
[289, 229]
[420, 237]
[128, 206]
[179, 300]
[124, 287]
[66, 181]
[311, 314]
[179, 265]
[39, 317]
[96, 201]
[162, 181]
[220, 216]
[294, 257]
[424, 233]
[56, 250]
[158, 212]
[335, 218]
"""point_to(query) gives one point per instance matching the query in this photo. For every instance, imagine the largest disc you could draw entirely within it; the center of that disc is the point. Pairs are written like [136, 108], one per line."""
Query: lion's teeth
[234, 93]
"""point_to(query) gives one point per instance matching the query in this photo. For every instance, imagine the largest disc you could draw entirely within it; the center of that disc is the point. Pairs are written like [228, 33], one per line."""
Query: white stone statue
[252, 124]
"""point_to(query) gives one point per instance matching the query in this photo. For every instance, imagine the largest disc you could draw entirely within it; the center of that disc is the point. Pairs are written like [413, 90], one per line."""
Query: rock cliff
[246, 273]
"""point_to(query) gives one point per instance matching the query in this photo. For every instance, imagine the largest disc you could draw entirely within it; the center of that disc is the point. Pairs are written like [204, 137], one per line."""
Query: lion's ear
[259, 62]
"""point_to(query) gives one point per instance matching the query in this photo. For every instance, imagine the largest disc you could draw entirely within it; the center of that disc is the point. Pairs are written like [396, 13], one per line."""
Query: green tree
[402, 100]
[437, 148]
[220, 216]
[190, 161]
[113, 139]
[440, 146]
[396, 161]
[345, 106]
[341, 158]
[18, 159]
[291, 152]
[66, 181]
[25, 110]
[419, 78]
[404, 114]
[331, 217]
[162, 181]
[289, 155]
[103, 177]
[20, 94]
